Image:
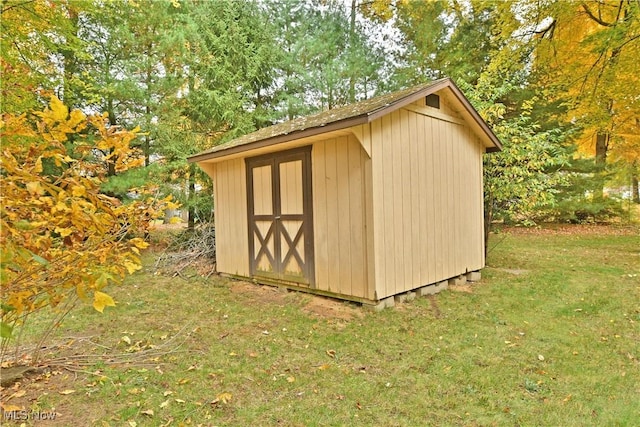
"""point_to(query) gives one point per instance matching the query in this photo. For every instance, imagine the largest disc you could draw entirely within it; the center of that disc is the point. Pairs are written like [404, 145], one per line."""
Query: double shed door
[280, 216]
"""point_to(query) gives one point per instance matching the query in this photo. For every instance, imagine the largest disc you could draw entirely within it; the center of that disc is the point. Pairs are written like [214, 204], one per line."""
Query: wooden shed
[362, 202]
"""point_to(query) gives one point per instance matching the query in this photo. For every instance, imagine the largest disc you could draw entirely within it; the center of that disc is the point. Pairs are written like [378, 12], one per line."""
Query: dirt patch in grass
[260, 294]
[434, 306]
[467, 288]
[323, 307]
[573, 229]
[332, 309]
[514, 271]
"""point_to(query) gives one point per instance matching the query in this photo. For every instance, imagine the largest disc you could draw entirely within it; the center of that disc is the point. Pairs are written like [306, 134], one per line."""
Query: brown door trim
[276, 229]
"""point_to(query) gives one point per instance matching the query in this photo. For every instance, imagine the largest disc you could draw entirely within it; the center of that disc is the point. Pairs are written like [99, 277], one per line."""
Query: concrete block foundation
[474, 276]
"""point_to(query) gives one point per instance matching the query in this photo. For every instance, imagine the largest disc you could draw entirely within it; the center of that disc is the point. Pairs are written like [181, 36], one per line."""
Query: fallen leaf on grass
[324, 367]
[180, 401]
[291, 379]
[10, 408]
[19, 393]
[331, 353]
[165, 403]
[66, 392]
[222, 397]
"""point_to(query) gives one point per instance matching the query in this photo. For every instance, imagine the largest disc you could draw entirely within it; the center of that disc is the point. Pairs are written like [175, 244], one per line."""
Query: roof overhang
[280, 139]
[492, 143]
[479, 126]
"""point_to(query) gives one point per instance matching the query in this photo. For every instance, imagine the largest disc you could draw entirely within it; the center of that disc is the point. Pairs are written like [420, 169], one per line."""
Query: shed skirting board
[296, 287]
[388, 301]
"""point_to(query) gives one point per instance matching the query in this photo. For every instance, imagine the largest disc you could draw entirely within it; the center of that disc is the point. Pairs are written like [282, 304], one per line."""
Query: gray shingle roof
[342, 117]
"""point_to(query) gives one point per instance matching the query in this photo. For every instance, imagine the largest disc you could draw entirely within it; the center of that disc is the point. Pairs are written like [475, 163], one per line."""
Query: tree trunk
[488, 219]
[352, 33]
[148, 79]
[69, 62]
[635, 191]
[192, 197]
[147, 140]
[146, 148]
[111, 163]
[602, 145]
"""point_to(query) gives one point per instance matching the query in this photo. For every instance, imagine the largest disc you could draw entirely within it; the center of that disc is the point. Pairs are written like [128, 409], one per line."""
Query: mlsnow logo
[24, 415]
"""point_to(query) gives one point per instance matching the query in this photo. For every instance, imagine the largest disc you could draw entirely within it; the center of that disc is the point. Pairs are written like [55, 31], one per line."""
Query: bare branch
[548, 30]
[595, 18]
[5, 9]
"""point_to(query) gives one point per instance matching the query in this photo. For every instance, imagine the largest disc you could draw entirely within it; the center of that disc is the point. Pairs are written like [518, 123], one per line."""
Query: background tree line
[558, 81]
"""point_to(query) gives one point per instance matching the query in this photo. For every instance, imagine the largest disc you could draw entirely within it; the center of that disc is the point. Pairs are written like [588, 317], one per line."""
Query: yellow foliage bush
[61, 239]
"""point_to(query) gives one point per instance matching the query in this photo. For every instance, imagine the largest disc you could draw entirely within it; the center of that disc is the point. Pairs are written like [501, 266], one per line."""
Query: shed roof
[344, 117]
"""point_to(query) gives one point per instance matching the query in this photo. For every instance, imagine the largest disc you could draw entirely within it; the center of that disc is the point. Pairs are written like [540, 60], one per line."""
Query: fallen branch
[190, 249]
[145, 357]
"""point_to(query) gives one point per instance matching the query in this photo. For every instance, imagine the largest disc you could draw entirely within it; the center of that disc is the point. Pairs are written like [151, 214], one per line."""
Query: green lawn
[550, 336]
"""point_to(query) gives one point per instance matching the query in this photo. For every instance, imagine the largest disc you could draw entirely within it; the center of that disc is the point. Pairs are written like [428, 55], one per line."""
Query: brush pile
[191, 252]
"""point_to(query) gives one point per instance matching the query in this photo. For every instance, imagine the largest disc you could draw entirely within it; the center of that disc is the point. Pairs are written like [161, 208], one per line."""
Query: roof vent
[433, 101]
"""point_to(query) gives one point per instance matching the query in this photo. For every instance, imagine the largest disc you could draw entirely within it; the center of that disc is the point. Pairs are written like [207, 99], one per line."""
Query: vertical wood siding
[230, 202]
[339, 216]
[427, 200]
